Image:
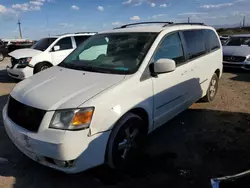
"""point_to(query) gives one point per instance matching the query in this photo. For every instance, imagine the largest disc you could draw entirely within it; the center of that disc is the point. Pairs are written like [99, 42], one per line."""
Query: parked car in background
[15, 44]
[98, 105]
[236, 52]
[19, 45]
[44, 54]
[224, 39]
[3, 50]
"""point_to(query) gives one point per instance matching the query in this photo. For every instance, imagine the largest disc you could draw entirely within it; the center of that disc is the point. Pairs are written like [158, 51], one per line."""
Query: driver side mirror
[56, 48]
[163, 66]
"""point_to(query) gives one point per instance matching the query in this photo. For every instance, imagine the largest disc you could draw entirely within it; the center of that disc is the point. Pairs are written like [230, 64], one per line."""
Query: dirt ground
[205, 141]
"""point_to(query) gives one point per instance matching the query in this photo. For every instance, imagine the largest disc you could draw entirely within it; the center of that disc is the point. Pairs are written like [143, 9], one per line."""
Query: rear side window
[170, 48]
[65, 43]
[212, 41]
[195, 43]
[80, 39]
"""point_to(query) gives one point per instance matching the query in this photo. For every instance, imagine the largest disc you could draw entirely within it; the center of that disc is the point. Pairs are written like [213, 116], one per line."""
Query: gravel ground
[205, 141]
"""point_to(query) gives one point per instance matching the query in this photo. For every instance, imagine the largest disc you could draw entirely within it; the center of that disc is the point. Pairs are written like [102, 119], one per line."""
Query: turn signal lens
[82, 117]
[72, 119]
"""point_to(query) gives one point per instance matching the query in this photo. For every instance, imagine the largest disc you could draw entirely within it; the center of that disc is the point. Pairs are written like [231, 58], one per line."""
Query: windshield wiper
[70, 66]
[84, 68]
[95, 69]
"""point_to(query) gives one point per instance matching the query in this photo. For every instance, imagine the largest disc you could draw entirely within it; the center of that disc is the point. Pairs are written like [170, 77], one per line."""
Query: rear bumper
[49, 145]
[18, 73]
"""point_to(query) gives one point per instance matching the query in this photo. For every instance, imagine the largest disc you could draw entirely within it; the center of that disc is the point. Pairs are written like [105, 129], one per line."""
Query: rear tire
[125, 142]
[212, 89]
[1, 56]
[41, 66]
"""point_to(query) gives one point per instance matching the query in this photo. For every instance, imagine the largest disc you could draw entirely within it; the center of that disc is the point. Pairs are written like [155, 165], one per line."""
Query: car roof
[157, 28]
[73, 34]
[146, 29]
[241, 35]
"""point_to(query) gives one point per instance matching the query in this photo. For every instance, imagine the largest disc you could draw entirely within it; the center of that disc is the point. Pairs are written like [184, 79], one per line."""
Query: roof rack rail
[87, 32]
[141, 23]
[186, 23]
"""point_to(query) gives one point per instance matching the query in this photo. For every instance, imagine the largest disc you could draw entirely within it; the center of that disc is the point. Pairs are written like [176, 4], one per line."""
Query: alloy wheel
[1, 56]
[128, 143]
[213, 88]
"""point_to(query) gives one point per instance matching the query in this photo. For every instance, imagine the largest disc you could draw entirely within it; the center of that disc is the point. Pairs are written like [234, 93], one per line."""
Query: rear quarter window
[195, 43]
[211, 40]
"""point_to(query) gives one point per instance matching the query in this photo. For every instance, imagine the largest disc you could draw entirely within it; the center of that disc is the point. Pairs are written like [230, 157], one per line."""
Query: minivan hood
[236, 51]
[62, 88]
[23, 53]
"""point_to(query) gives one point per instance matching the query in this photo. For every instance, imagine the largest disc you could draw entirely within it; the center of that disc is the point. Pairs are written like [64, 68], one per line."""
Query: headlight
[248, 58]
[22, 63]
[75, 119]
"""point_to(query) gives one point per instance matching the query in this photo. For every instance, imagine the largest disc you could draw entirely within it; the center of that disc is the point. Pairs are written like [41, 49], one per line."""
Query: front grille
[14, 61]
[25, 116]
[234, 58]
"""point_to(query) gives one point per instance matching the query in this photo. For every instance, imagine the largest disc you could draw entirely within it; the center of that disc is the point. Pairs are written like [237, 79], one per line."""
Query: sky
[41, 18]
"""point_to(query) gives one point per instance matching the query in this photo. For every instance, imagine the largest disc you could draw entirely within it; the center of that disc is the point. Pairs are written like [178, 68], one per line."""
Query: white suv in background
[98, 104]
[46, 53]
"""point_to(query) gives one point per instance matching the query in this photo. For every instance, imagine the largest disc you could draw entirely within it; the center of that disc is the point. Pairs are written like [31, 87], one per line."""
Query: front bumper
[19, 73]
[85, 151]
[239, 65]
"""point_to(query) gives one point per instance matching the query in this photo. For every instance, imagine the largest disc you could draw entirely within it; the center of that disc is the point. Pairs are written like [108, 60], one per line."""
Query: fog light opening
[64, 164]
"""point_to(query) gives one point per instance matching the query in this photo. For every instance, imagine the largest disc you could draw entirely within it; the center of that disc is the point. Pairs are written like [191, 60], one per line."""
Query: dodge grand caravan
[98, 104]
[44, 54]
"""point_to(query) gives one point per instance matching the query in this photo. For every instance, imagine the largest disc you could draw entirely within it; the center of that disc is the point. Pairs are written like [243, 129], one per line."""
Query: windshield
[115, 53]
[43, 44]
[238, 41]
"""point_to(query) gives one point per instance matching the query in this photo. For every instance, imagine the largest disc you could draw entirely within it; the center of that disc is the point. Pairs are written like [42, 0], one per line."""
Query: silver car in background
[224, 39]
[236, 52]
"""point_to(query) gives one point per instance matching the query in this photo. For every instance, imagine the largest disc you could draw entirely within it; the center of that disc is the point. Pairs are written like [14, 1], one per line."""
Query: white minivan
[46, 53]
[98, 105]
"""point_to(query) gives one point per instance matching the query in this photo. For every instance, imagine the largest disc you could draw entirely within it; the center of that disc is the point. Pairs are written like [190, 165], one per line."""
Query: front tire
[126, 141]
[41, 66]
[1, 56]
[212, 89]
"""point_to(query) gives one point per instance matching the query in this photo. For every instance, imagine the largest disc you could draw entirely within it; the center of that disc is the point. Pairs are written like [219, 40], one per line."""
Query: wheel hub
[212, 88]
[1, 56]
[128, 143]
[44, 67]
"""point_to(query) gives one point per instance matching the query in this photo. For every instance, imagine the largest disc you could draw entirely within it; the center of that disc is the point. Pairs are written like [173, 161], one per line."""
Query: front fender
[40, 58]
[113, 104]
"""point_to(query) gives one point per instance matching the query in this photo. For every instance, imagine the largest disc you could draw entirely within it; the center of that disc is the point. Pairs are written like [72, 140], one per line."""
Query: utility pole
[244, 20]
[188, 19]
[20, 30]
[47, 22]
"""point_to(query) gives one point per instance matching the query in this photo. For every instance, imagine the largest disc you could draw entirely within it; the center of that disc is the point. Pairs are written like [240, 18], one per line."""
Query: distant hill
[225, 26]
[233, 31]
